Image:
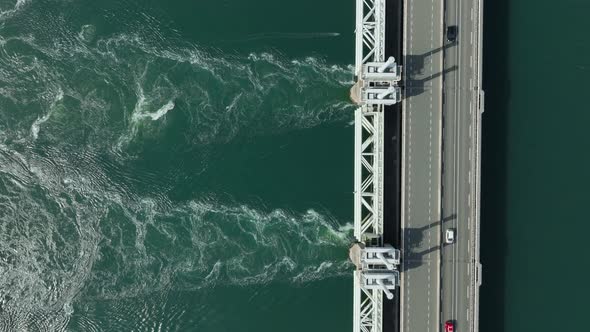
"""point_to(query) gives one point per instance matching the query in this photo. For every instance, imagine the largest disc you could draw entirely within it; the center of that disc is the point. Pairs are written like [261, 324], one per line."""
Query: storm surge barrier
[376, 87]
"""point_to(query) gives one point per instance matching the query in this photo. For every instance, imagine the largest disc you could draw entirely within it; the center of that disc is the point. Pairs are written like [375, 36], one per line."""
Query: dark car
[452, 33]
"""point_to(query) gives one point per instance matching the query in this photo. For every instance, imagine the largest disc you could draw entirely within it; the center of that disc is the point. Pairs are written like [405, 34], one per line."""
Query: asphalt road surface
[460, 201]
[421, 165]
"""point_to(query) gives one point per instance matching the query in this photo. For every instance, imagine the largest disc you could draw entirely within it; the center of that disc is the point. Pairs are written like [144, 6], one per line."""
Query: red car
[449, 326]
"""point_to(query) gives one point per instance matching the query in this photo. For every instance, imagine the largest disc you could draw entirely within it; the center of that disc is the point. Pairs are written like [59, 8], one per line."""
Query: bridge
[417, 165]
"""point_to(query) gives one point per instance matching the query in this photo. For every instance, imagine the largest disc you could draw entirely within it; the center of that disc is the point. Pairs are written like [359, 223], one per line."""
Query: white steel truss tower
[376, 86]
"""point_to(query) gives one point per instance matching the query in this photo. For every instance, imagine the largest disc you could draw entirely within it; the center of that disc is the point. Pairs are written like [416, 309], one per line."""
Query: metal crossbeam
[368, 187]
[388, 71]
[370, 32]
[368, 208]
[368, 307]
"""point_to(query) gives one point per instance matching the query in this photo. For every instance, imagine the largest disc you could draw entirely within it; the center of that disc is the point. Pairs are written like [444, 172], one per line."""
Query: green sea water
[175, 165]
[536, 163]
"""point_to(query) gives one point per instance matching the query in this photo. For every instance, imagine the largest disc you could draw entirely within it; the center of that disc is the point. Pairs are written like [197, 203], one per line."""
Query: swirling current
[145, 180]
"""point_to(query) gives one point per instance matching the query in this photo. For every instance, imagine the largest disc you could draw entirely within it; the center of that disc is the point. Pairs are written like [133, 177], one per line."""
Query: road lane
[421, 175]
[461, 122]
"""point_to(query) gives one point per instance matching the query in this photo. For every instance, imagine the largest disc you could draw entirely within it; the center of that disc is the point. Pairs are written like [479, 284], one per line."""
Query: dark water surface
[536, 163]
[175, 165]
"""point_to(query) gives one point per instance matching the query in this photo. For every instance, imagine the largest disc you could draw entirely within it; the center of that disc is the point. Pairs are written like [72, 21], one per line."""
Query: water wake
[120, 89]
[67, 232]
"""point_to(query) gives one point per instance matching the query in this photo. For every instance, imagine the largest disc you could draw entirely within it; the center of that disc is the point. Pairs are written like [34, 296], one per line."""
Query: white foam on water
[234, 102]
[17, 7]
[87, 32]
[48, 238]
[157, 114]
[35, 127]
[319, 272]
[346, 228]
[54, 245]
[224, 96]
[207, 244]
[162, 111]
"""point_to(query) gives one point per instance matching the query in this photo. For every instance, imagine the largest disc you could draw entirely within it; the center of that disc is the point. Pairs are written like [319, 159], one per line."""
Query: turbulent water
[152, 182]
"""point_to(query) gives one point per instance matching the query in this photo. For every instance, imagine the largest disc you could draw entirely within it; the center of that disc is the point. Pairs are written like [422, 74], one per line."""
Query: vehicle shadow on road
[414, 68]
[494, 248]
[413, 238]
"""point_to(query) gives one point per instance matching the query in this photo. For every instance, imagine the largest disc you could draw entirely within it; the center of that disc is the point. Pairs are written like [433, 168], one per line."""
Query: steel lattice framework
[368, 207]
[368, 307]
[370, 32]
[368, 183]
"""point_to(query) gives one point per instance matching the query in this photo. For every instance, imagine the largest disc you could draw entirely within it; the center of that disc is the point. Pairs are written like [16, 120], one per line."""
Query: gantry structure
[377, 274]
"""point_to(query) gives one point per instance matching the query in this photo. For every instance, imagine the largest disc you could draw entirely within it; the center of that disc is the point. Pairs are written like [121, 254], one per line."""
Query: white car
[450, 236]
